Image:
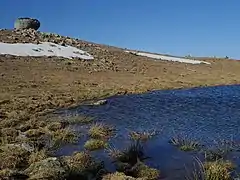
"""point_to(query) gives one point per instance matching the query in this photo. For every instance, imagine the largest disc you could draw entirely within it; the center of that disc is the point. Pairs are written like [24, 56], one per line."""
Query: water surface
[205, 114]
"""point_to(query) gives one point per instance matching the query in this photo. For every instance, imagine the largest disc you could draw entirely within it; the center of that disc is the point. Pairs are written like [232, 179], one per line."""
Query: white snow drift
[168, 58]
[43, 49]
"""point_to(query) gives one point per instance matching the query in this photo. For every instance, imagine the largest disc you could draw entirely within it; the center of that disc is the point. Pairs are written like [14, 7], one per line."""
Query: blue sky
[177, 27]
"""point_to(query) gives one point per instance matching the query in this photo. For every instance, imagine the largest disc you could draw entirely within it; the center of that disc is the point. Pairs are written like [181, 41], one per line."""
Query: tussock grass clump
[37, 156]
[13, 156]
[114, 153]
[6, 123]
[130, 161]
[143, 171]
[63, 136]
[77, 119]
[185, 144]
[81, 165]
[118, 176]
[133, 153]
[215, 154]
[221, 150]
[143, 136]
[34, 133]
[50, 168]
[12, 174]
[9, 132]
[54, 126]
[214, 170]
[8, 135]
[218, 170]
[95, 144]
[100, 130]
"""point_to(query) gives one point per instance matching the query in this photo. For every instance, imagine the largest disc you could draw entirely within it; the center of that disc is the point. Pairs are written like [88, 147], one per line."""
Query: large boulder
[27, 23]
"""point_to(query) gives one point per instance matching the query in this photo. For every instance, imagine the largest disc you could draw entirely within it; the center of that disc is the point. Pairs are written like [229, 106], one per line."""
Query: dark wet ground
[205, 114]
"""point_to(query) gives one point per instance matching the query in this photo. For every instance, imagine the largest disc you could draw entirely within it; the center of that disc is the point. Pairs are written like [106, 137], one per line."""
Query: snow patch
[43, 49]
[168, 58]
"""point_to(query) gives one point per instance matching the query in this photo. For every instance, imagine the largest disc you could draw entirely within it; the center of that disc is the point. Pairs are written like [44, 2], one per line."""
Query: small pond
[205, 114]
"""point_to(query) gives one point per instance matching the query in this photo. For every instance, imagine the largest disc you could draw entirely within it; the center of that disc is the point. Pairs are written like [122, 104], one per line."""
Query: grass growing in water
[130, 161]
[185, 144]
[95, 144]
[142, 136]
[64, 136]
[221, 150]
[215, 170]
[77, 119]
[100, 130]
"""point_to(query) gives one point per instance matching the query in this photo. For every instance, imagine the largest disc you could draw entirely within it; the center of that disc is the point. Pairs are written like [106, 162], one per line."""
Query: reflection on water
[205, 114]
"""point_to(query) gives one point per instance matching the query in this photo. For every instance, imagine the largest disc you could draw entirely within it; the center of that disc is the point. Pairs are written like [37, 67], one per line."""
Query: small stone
[100, 102]
[62, 43]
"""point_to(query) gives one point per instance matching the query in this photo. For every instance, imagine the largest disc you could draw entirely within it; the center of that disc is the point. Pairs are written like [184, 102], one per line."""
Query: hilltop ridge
[112, 71]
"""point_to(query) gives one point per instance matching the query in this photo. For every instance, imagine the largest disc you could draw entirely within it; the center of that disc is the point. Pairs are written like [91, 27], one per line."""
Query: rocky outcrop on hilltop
[27, 23]
[103, 57]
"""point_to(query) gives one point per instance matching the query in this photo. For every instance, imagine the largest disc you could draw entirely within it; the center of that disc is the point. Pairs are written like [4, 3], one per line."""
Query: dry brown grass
[13, 156]
[212, 170]
[63, 136]
[100, 130]
[95, 144]
[32, 86]
[81, 164]
[37, 156]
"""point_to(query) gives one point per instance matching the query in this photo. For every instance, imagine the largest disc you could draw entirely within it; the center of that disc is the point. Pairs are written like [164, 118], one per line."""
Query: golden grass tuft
[13, 156]
[78, 119]
[37, 156]
[218, 170]
[54, 126]
[34, 133]
[64, 136]
[114, 153]
[82, 164]
[143, 171]
[213, 170]
[184, 143]
[118, 176]
[95, 144]
[99, 130]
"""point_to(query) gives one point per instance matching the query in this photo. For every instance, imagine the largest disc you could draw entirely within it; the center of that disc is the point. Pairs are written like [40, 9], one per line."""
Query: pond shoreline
[112, 98]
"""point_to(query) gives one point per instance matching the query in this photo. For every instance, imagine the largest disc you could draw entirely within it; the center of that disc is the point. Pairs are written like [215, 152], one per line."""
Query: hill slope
[34, 84]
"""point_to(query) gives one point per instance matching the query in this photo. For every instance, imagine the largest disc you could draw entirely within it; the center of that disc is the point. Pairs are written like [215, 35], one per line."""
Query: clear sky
[177, 27]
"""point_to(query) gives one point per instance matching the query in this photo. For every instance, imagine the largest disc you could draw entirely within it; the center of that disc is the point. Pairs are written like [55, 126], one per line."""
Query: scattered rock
[100, 102]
